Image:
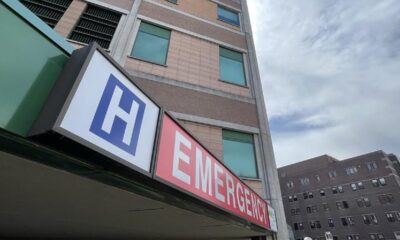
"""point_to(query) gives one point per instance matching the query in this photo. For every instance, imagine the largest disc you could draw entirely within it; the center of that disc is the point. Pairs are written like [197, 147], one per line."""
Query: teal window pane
[229, 16]
[151, 43]
[231, 67]
[238, 149]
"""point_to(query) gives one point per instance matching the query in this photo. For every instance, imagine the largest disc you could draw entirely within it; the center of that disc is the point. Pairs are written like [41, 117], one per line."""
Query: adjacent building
[197, 60]
[355, 198]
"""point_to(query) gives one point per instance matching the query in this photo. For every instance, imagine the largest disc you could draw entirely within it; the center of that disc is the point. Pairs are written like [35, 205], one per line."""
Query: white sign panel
[109, 114]
[272, 219]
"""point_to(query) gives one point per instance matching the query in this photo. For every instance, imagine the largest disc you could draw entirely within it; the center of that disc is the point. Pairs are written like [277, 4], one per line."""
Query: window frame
[226, 20]
[257, 177]
[246, 82]
[135, 42]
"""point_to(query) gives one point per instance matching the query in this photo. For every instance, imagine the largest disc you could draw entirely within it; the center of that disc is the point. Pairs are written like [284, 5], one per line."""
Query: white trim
[117, 33]
[195, 17]
[226, 5]
[217, 123]
[163, 24]
[109, 6]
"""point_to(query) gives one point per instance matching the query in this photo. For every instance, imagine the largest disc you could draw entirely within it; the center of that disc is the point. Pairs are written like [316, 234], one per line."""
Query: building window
[363, 202]
[385, 198]
[305, 181]
[96, 24]
[357, 186]
[350, 220]
[290, 199]
[322, 192]
[325, 206]
[332, 174]
[382, 181]
[294, 198]
[229, 16]
[318, 178]
[391, 217]
[231, 68]
[289, 184]
[151, 43]
[351, 170]
[340, 189]
[372, 166]
[330, 222]
[238, 149]
[173, 1]
[370, 219]
[305, 195]
[308, 209]
[344, 221]
[372, 236]
[49, 11]
[397, 235]
[310, 195]
[381, 236]
[334, 190]
[295, 211]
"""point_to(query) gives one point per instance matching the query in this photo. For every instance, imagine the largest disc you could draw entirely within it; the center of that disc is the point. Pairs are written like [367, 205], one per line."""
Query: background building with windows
[356, 198]
[197, 59]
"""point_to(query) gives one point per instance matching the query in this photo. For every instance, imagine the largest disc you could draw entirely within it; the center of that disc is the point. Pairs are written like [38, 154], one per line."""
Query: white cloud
[331, 75]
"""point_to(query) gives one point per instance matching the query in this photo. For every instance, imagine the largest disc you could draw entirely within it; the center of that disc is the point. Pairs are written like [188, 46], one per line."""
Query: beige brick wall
[257, 186]
[70, 17]
[191, 60]
[210, 136]
[201, 8]
[125, 4]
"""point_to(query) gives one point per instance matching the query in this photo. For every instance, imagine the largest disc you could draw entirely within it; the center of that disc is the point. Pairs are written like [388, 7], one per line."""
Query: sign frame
[62, 94]
[159, 179]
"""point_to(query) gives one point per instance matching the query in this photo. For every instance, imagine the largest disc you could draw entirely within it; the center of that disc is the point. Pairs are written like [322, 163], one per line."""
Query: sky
[330, 71]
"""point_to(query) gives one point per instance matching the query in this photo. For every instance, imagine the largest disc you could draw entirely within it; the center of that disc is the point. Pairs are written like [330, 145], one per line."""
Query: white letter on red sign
[246, 196]
[203, 176]
[179, 155]
[218, 182]
[230, 190]
[240, 198]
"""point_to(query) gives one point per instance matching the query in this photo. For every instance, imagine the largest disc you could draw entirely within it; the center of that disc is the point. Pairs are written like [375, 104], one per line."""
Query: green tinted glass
[238, 149]
[231, 66]
[151, 43]
[29, 65]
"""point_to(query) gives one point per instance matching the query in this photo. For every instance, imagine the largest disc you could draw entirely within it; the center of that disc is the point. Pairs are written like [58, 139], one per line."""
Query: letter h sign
[119, 116]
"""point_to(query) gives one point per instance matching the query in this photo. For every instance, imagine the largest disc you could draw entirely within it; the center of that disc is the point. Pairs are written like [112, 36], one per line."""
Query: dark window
[385, 198]
[294, 198]
[344, 221]
[318, 224]
[289, 184]
[360, 202]
[366, 219]
[305, 195]
[228, 16]
[312, 224]
[173, 1]
[296, 226]
[49, 11]
[345, 204]
[367, 203]
[391, 217]
[371, 218]
[96, 25]
[322, 192]
[290, 199]
[334, 190]
[310, 195]
[308, 209]
[330, 222]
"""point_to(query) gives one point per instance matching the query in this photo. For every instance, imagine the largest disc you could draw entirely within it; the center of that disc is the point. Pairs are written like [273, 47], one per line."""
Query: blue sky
[331, 75]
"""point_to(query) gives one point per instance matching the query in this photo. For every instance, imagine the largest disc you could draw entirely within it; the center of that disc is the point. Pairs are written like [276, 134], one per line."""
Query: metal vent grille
[96, 25]
[50, 11]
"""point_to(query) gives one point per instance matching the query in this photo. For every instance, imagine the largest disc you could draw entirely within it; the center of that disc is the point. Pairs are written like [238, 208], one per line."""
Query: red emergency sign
[187, 165]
